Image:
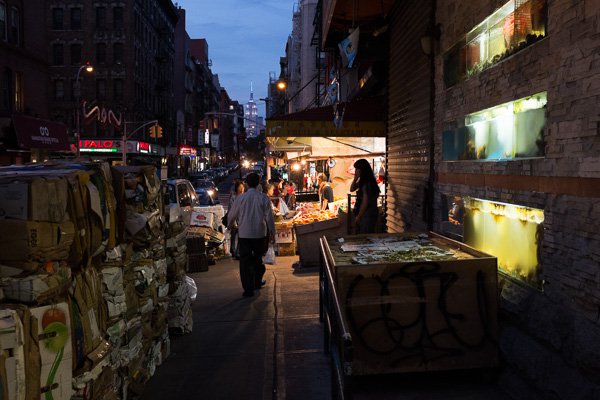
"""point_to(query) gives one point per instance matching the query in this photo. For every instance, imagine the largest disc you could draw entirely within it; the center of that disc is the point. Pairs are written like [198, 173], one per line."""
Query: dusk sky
[245, 40]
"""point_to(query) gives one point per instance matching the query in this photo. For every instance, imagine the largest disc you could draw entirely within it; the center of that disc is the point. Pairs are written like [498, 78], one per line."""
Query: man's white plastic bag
[269, 258]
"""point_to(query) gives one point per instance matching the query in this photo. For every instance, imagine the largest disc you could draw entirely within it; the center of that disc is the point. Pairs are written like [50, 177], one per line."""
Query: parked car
[182, 199]
[209, 186]
[204, 198]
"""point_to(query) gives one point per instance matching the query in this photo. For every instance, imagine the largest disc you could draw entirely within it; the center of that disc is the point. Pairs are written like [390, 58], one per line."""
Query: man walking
[256, 226]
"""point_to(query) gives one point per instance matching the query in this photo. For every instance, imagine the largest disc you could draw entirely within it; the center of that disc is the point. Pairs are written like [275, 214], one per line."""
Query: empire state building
[251, 116]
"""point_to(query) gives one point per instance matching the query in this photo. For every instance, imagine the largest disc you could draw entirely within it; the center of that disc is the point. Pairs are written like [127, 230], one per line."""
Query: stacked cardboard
[84, 280]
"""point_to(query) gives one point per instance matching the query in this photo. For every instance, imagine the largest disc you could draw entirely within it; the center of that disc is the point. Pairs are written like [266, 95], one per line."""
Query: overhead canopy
[340, 15]
[35, 133]
[361, 118]
[324, 147]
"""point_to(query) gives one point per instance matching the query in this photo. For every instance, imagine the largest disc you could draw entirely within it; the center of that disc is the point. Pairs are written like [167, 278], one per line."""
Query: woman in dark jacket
[365, 209]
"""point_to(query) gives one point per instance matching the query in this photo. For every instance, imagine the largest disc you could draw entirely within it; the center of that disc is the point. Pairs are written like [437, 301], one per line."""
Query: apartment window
[100, 17]
[59, 90]
[15, 25]
[118, 17]
[75, 18]
[118, 88]
[58, 54]
[100, 53]
[75, 54]
[3, 18]
[5, 85]
[101, 89]
[57, 18]
[18, 92]
[118, 53]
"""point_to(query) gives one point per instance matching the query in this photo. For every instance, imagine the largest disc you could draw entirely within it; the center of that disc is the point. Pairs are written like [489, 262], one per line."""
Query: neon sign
[187, 151]
[104, 115]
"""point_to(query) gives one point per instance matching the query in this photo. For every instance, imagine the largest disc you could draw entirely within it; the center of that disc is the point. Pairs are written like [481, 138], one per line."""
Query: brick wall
[550, 339]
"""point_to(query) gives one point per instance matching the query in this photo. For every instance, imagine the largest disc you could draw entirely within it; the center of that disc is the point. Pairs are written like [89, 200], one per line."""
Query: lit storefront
[111, 150]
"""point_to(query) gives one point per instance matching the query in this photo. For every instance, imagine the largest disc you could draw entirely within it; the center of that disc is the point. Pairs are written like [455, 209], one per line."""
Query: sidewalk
[270, 346]
[265, 347]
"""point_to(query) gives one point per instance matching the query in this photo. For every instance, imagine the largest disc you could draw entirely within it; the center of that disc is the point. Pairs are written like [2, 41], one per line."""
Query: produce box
[54, 336]
[307, 238]
[414, 303]
[31, 240]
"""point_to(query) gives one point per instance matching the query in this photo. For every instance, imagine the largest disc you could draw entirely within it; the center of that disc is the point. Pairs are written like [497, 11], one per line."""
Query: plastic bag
[269, 257]
[191, 287]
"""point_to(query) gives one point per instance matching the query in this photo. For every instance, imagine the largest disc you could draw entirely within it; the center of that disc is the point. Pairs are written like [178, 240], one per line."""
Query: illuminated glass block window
[508, 30]
[508, 131]
[509, 232]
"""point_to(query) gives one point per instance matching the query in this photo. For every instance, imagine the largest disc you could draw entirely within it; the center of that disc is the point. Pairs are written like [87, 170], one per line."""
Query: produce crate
[197, 263]
[286, 249]
[308, 236]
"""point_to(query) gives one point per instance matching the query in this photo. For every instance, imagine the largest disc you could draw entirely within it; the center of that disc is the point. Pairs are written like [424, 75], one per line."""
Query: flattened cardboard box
[12, 356]
[54, 336]
[25, 240]
[35, 198]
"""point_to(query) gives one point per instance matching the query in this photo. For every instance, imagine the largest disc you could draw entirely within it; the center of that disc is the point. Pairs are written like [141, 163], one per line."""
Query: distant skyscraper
[250, 116]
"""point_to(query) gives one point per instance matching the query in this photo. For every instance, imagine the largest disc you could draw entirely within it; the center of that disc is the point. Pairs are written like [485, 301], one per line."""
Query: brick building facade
[551, 334]
[130, 43]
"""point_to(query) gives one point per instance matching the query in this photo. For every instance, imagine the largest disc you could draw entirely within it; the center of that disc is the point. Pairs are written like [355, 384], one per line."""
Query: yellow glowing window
[509, 232]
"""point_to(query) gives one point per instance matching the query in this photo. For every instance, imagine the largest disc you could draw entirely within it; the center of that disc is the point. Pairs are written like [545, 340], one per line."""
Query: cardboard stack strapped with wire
[82, 280]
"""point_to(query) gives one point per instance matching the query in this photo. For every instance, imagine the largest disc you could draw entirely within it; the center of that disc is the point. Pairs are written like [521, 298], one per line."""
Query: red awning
[35, 133]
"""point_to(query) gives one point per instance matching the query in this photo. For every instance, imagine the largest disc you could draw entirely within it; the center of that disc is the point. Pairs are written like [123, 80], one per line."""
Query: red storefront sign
[187, 151]
[113, 146]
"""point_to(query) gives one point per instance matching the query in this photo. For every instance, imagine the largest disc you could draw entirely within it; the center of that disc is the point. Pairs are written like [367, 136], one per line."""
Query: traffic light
[153, 131]
[159, 132]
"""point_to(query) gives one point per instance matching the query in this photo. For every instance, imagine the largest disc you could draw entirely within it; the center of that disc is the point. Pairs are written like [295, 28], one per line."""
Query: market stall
[407, 303]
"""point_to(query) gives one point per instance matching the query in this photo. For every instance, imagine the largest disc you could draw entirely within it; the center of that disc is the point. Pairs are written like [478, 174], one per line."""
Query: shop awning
[339, 15]
[35, 133]
[361, 118]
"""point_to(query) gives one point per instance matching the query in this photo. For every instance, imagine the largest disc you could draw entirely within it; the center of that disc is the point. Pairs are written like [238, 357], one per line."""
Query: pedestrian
[256, 228]
[238, 189]
[365, 210]
[325, 191]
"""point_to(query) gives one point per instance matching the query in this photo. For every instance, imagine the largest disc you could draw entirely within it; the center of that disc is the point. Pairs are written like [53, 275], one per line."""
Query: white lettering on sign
[44, 131]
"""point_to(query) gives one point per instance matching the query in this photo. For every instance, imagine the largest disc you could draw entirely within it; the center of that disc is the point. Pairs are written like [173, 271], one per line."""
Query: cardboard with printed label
[54, 335]
[32, 240]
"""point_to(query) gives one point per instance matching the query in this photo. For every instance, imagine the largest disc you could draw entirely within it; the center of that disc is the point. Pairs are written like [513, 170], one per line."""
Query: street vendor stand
[406, 303]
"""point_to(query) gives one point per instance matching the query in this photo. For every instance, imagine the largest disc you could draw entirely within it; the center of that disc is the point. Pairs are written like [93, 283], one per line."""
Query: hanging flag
[348, 48]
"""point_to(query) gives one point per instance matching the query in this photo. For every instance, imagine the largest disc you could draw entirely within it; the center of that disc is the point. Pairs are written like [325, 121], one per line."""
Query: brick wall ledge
[563, 185]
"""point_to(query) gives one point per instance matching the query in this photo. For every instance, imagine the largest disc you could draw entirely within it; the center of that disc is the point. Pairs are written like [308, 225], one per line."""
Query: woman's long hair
[367, 177]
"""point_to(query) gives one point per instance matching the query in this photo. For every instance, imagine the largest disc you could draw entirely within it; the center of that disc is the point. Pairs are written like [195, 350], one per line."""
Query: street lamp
[89, 69]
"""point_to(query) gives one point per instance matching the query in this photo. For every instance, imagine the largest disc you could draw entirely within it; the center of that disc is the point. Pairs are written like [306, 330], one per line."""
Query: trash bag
[192, 289]
[269, 257]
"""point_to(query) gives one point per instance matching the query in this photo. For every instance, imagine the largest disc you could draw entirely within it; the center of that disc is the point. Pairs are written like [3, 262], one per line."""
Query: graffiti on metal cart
[104, 115]
[413, 316]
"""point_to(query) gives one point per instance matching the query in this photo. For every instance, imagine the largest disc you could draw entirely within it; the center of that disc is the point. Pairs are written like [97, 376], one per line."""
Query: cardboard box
[12, 356]
[36, 198]
[54, 337]
[202, 218]
[26, 240]
[40, 288]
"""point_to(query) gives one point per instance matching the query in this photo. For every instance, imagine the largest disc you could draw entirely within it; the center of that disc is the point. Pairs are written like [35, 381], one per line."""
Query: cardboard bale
[38, 288]
[30, 196]
[88, 315]
[97, 384]
[32, 240]
[54, 337]
[12, 356]
[160, 269]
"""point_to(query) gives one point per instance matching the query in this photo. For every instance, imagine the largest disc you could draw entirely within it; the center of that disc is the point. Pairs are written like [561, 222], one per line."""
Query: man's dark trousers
[252, 268]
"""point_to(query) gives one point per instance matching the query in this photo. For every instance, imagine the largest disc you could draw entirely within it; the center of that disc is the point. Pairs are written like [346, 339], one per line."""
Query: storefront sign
[206, 137]
[113, 146]
[35, 133]
[187, 151]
